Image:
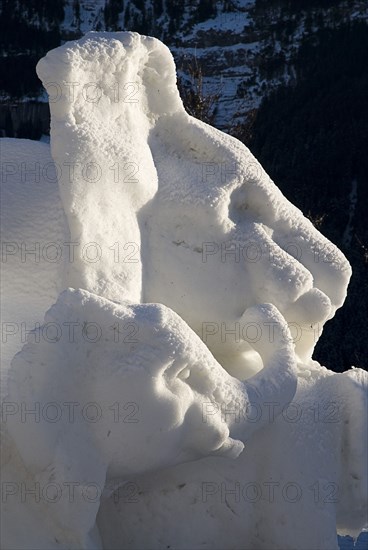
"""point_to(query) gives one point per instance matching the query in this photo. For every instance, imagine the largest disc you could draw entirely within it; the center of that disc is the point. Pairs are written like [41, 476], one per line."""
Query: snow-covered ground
[166, 397]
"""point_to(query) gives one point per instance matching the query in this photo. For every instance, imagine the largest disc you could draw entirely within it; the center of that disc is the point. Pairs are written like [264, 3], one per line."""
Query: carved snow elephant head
[122, 389]
[211, 221]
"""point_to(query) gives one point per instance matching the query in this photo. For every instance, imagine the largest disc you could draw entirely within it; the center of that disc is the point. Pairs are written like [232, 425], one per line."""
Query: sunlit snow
[162, 300]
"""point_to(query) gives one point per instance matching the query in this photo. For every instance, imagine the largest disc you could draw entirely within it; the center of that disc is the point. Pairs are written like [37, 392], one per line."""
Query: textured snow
[189, 276]
[33, 230]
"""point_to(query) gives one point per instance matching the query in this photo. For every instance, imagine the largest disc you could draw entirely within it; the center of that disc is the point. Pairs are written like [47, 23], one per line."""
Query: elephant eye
[184, 374]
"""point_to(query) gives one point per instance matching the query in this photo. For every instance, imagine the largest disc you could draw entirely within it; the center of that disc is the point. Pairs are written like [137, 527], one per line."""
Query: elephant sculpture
[180, 284]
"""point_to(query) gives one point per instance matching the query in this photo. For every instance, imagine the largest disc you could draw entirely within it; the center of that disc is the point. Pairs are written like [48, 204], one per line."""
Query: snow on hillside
[233, 22]
[91, 14]
[244, 47]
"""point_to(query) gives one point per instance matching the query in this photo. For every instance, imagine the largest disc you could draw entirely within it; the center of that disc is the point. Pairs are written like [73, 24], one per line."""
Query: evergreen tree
[127, 17]
[206, 9]
[158, 8]
[76, 10]
[8, 126]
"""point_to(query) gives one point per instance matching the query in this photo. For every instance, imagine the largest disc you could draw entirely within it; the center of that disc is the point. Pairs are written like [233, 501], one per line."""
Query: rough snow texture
[200, 293]
[32, 219]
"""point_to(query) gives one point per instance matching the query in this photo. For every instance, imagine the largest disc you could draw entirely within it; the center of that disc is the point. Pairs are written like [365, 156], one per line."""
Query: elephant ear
[353, 483]
[50, 380]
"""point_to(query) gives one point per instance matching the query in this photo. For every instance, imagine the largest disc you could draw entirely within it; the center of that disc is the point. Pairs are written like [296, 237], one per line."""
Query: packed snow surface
[163, 300]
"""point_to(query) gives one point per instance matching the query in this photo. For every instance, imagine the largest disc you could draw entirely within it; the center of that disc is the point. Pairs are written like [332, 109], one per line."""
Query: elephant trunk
[271, 390]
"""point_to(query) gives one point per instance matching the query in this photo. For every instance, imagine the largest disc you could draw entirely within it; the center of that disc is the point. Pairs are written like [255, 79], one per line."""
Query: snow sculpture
[120, 115]
[145, 374]
[214, 244]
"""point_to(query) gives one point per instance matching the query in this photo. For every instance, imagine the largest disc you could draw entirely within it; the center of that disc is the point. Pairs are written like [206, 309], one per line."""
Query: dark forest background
[312, 138]
[310, 134]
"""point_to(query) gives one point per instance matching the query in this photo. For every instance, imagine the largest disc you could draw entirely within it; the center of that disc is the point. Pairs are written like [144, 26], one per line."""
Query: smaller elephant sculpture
[105, 391]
